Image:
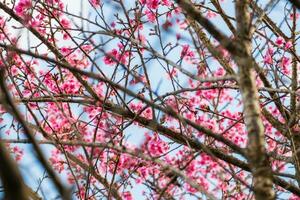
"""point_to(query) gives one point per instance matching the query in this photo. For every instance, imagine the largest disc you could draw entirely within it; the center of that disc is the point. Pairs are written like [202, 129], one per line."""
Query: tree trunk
[256, 151]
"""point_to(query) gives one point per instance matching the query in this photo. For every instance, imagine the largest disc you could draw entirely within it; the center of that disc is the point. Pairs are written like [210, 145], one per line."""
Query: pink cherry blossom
[279, 41]
[288, 45]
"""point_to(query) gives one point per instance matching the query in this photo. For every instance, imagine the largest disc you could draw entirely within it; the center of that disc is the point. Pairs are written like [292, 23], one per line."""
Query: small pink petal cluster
[116, 57]
[268, 58]
[154, 145]
[23, 8]
[95, 3]
[210, 14]
[285, 65]
[187, 53]
[282, 43]
[151, 4]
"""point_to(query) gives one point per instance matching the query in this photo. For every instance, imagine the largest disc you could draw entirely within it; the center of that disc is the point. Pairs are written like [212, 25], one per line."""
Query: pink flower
[285, 65]
[172, 73]
[154, 145]
[139, 79]
[220, 72]
[113, 24]
[285, 62]
[211, 14]
[18, 152]
[65, 36]
[279, 41]
[152, 4]
[127, 196]
[111, 57]
[95, 3]
[292, 15]
[166, 2]
[270, 51]
[150, 16]
[186, 52]
[65, 50]
[22, 8]
[114, 57]
[142, 38]
[268, 57]
[167, 24]
[65, 23]
[288, 45]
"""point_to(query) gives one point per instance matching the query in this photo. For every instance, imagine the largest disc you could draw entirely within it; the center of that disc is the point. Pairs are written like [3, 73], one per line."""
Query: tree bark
[256, 151]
